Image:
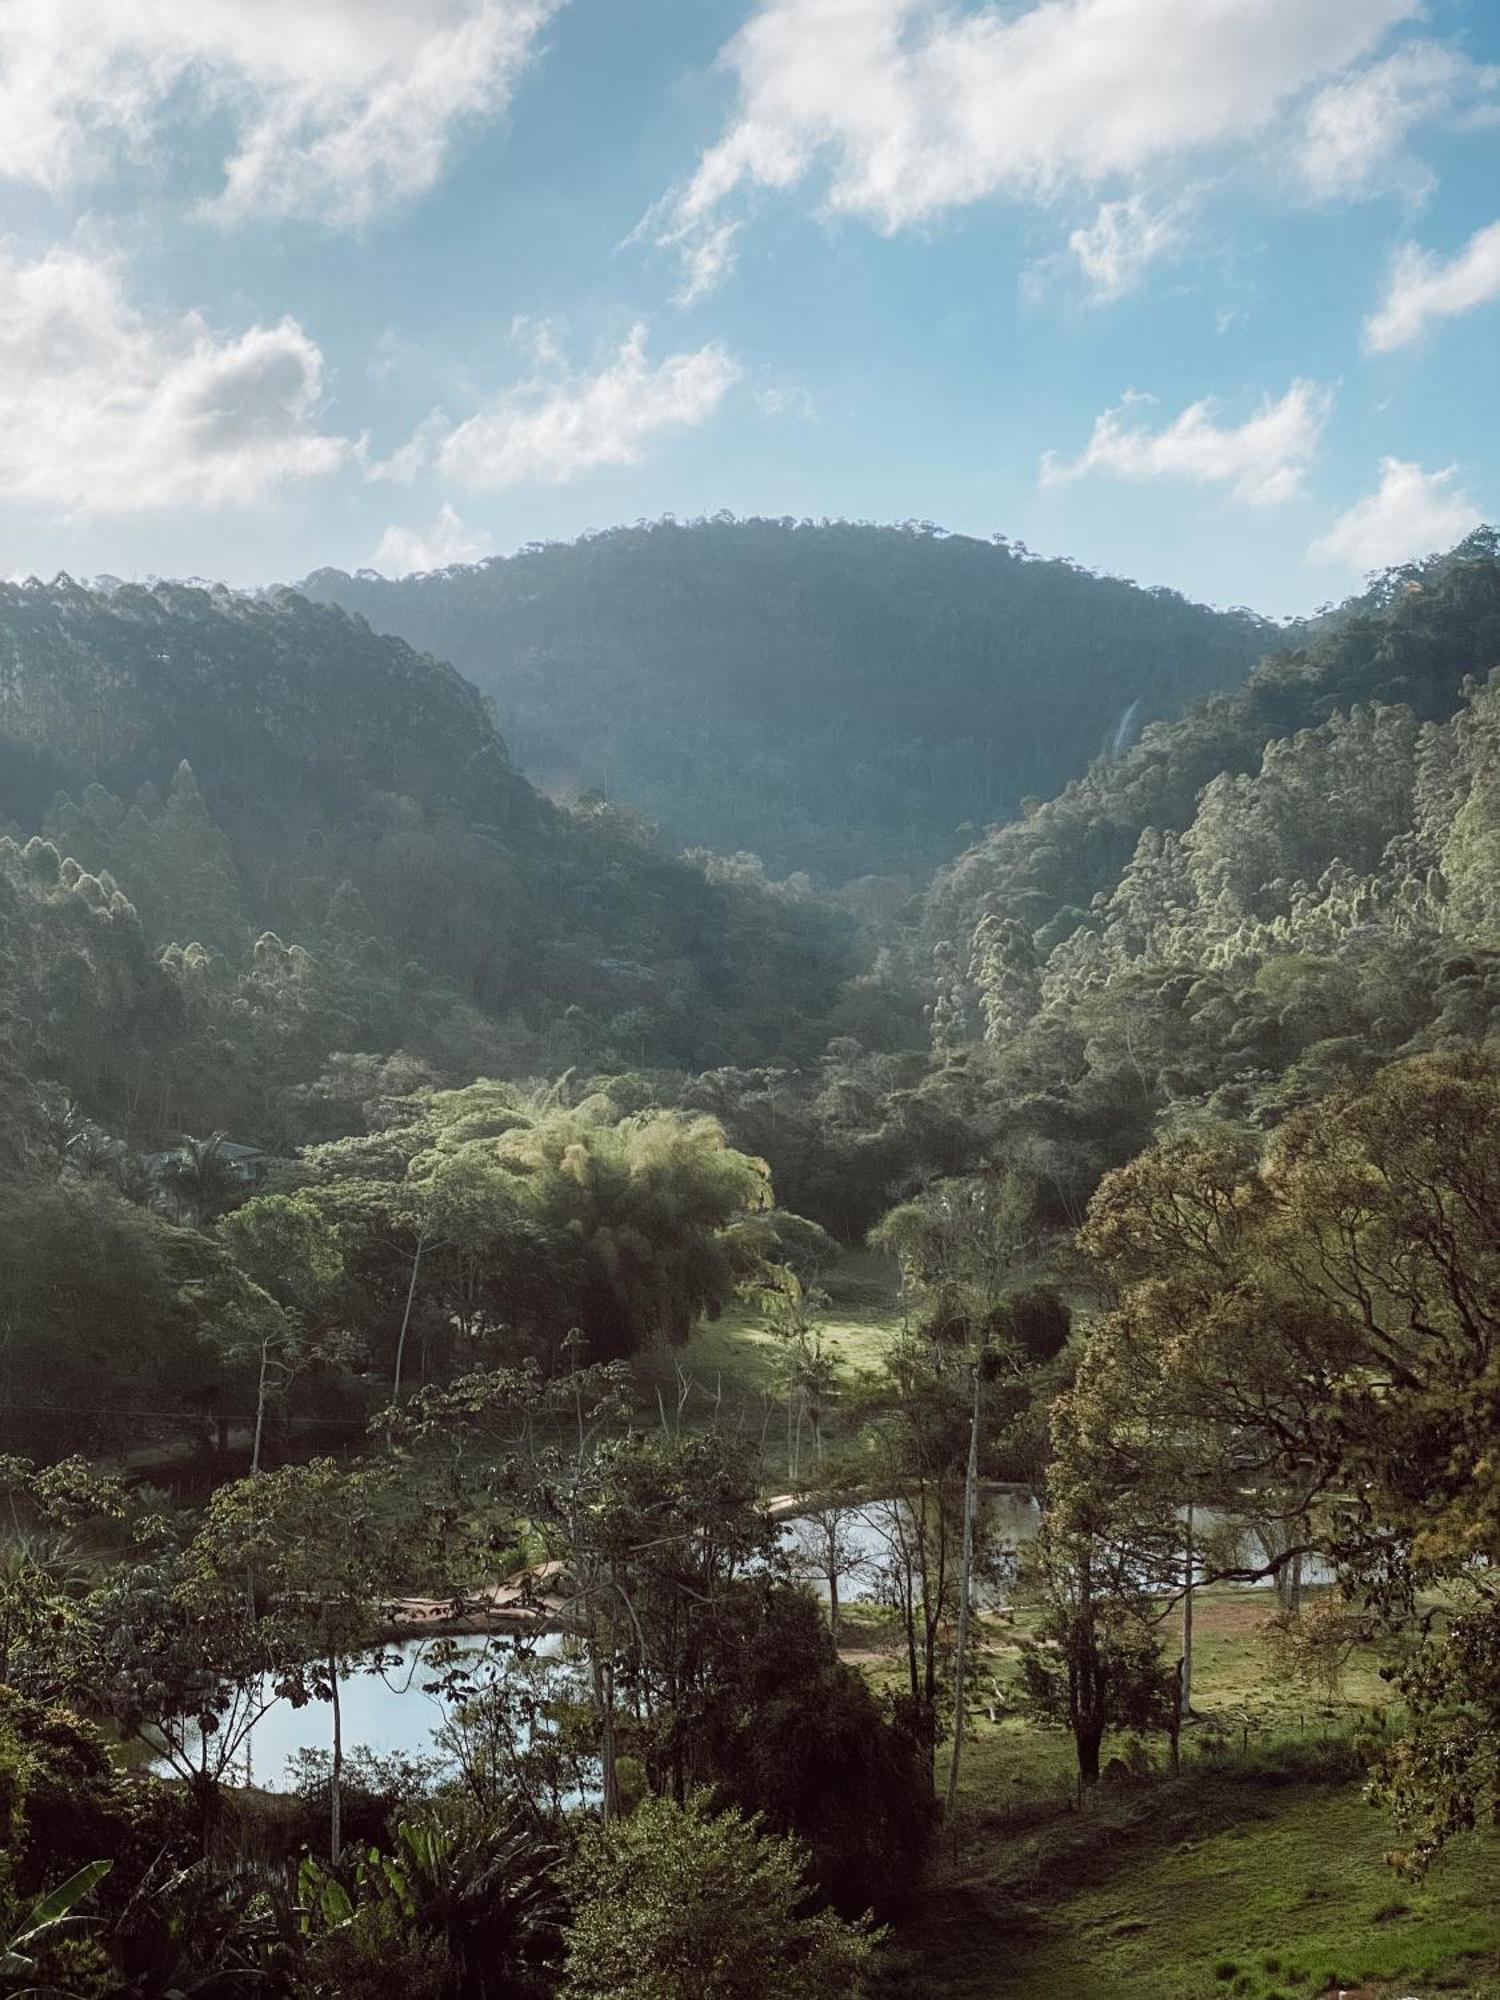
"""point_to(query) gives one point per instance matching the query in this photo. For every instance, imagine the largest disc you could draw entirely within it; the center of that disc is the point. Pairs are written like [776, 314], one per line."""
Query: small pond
[390, 1712]
[387, 1711]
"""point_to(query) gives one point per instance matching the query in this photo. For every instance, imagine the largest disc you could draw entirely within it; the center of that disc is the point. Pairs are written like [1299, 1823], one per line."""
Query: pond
[387, 1711]
[390, 1712]
[868, 1535]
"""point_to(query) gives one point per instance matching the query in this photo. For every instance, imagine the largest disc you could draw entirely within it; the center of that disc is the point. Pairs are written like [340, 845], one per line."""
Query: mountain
[838, 697]
[1409, 642]
[1262, 902]
[248, 838]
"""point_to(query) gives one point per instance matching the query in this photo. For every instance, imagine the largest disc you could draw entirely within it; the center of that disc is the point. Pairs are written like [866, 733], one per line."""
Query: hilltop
[836, 697]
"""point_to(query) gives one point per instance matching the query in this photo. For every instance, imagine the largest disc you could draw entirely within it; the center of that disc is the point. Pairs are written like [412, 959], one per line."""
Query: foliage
[679, 1903]
[837, 696]
[467, 1909]
[1323, 1324]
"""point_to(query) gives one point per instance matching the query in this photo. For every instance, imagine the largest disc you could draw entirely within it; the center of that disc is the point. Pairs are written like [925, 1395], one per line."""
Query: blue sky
[1204, 292]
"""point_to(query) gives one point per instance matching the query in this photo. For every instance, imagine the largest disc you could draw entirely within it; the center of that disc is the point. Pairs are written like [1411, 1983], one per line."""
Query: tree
[959, 1244]
[826, 1546]
[806, 1371]
[201, 1180]
[680, 1903]
[1326, 1322]
[1095, 1662]
[323, 1547]
[182, 1667]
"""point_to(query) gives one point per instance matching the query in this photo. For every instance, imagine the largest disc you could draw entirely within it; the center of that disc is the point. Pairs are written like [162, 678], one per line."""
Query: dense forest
[244, 835]
[945, 1454]
[837, 698]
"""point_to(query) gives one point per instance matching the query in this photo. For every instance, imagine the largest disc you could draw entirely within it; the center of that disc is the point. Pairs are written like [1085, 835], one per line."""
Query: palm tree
[201, 1180]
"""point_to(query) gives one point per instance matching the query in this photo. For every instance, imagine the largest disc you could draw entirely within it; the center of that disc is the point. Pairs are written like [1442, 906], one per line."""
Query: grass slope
[1260, 1873]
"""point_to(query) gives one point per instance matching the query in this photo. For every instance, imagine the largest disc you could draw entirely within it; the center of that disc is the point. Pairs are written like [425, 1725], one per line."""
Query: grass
[1219, 1884]
[1259, 1873]
[727, 1372]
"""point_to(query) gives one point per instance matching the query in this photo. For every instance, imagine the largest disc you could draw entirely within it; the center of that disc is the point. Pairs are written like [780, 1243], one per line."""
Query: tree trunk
[260, 1408]
[411, 1292]
[336, 1770]
[1174, 1721]
[1087, 1737]
[965, 1588]
[1185, 1672]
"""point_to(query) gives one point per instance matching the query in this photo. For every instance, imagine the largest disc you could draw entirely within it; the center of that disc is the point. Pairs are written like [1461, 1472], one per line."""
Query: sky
[1200, 292]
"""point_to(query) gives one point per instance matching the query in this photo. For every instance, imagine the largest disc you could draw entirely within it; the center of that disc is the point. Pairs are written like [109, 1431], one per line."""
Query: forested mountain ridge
[1261, 903]
[1410, 642]
[248, 834]
[838, 697]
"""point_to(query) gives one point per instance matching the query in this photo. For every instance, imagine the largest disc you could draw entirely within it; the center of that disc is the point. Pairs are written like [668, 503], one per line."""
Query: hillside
[1260, 903]
[246, 836]
[1409, 644]
[837, 697]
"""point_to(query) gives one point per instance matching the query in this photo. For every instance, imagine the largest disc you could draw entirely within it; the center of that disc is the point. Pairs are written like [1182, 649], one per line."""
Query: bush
[678, 1903]
[375, 1955]
[71, 1805]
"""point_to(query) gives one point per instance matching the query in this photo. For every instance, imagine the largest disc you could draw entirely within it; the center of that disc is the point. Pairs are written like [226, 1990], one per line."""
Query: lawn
[1221, 1884]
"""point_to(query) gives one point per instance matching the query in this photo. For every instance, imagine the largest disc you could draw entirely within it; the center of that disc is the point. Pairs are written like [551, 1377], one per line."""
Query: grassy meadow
[1258, 1874]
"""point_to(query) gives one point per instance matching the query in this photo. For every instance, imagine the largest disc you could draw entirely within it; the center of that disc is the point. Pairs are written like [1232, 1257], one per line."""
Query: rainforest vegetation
[963, 1404]
[782, 653]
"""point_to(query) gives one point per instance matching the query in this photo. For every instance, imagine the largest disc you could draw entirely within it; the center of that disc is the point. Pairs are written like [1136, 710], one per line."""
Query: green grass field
[1224, 1883]
[1259, 1873]
[727, 1371]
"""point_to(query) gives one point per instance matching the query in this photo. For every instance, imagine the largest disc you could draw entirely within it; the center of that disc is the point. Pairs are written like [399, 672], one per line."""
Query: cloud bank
[105, 409]
[907, 109]
[336, 109]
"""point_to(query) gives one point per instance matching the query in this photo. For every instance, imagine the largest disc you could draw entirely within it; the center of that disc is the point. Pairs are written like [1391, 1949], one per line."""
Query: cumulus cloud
[1423, 288]
[335, 109]
[1261, 460]
[1353, 138]
[104, 410]
[1411, 513]
[910, 108]
[1124, 239]
[448, 540]
[553, 427]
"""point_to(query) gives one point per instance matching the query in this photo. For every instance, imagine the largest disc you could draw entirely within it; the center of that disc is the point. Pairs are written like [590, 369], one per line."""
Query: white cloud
[334, 108]
[1423, 288]
[448, 540]
[1411, 513]
[1261, 460]
[104, 410]
[914, 108]
[413, 457]
[787, 399]
[1353, 136]
[1122, 241]
[554, 427]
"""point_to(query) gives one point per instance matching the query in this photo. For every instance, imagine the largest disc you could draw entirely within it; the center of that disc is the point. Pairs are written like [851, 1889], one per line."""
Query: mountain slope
[1410, 641]
[840, 698]
[247, 835]
[1264, 901]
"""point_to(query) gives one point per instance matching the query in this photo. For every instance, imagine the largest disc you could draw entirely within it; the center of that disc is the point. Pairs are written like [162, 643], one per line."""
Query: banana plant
[48, 1915]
